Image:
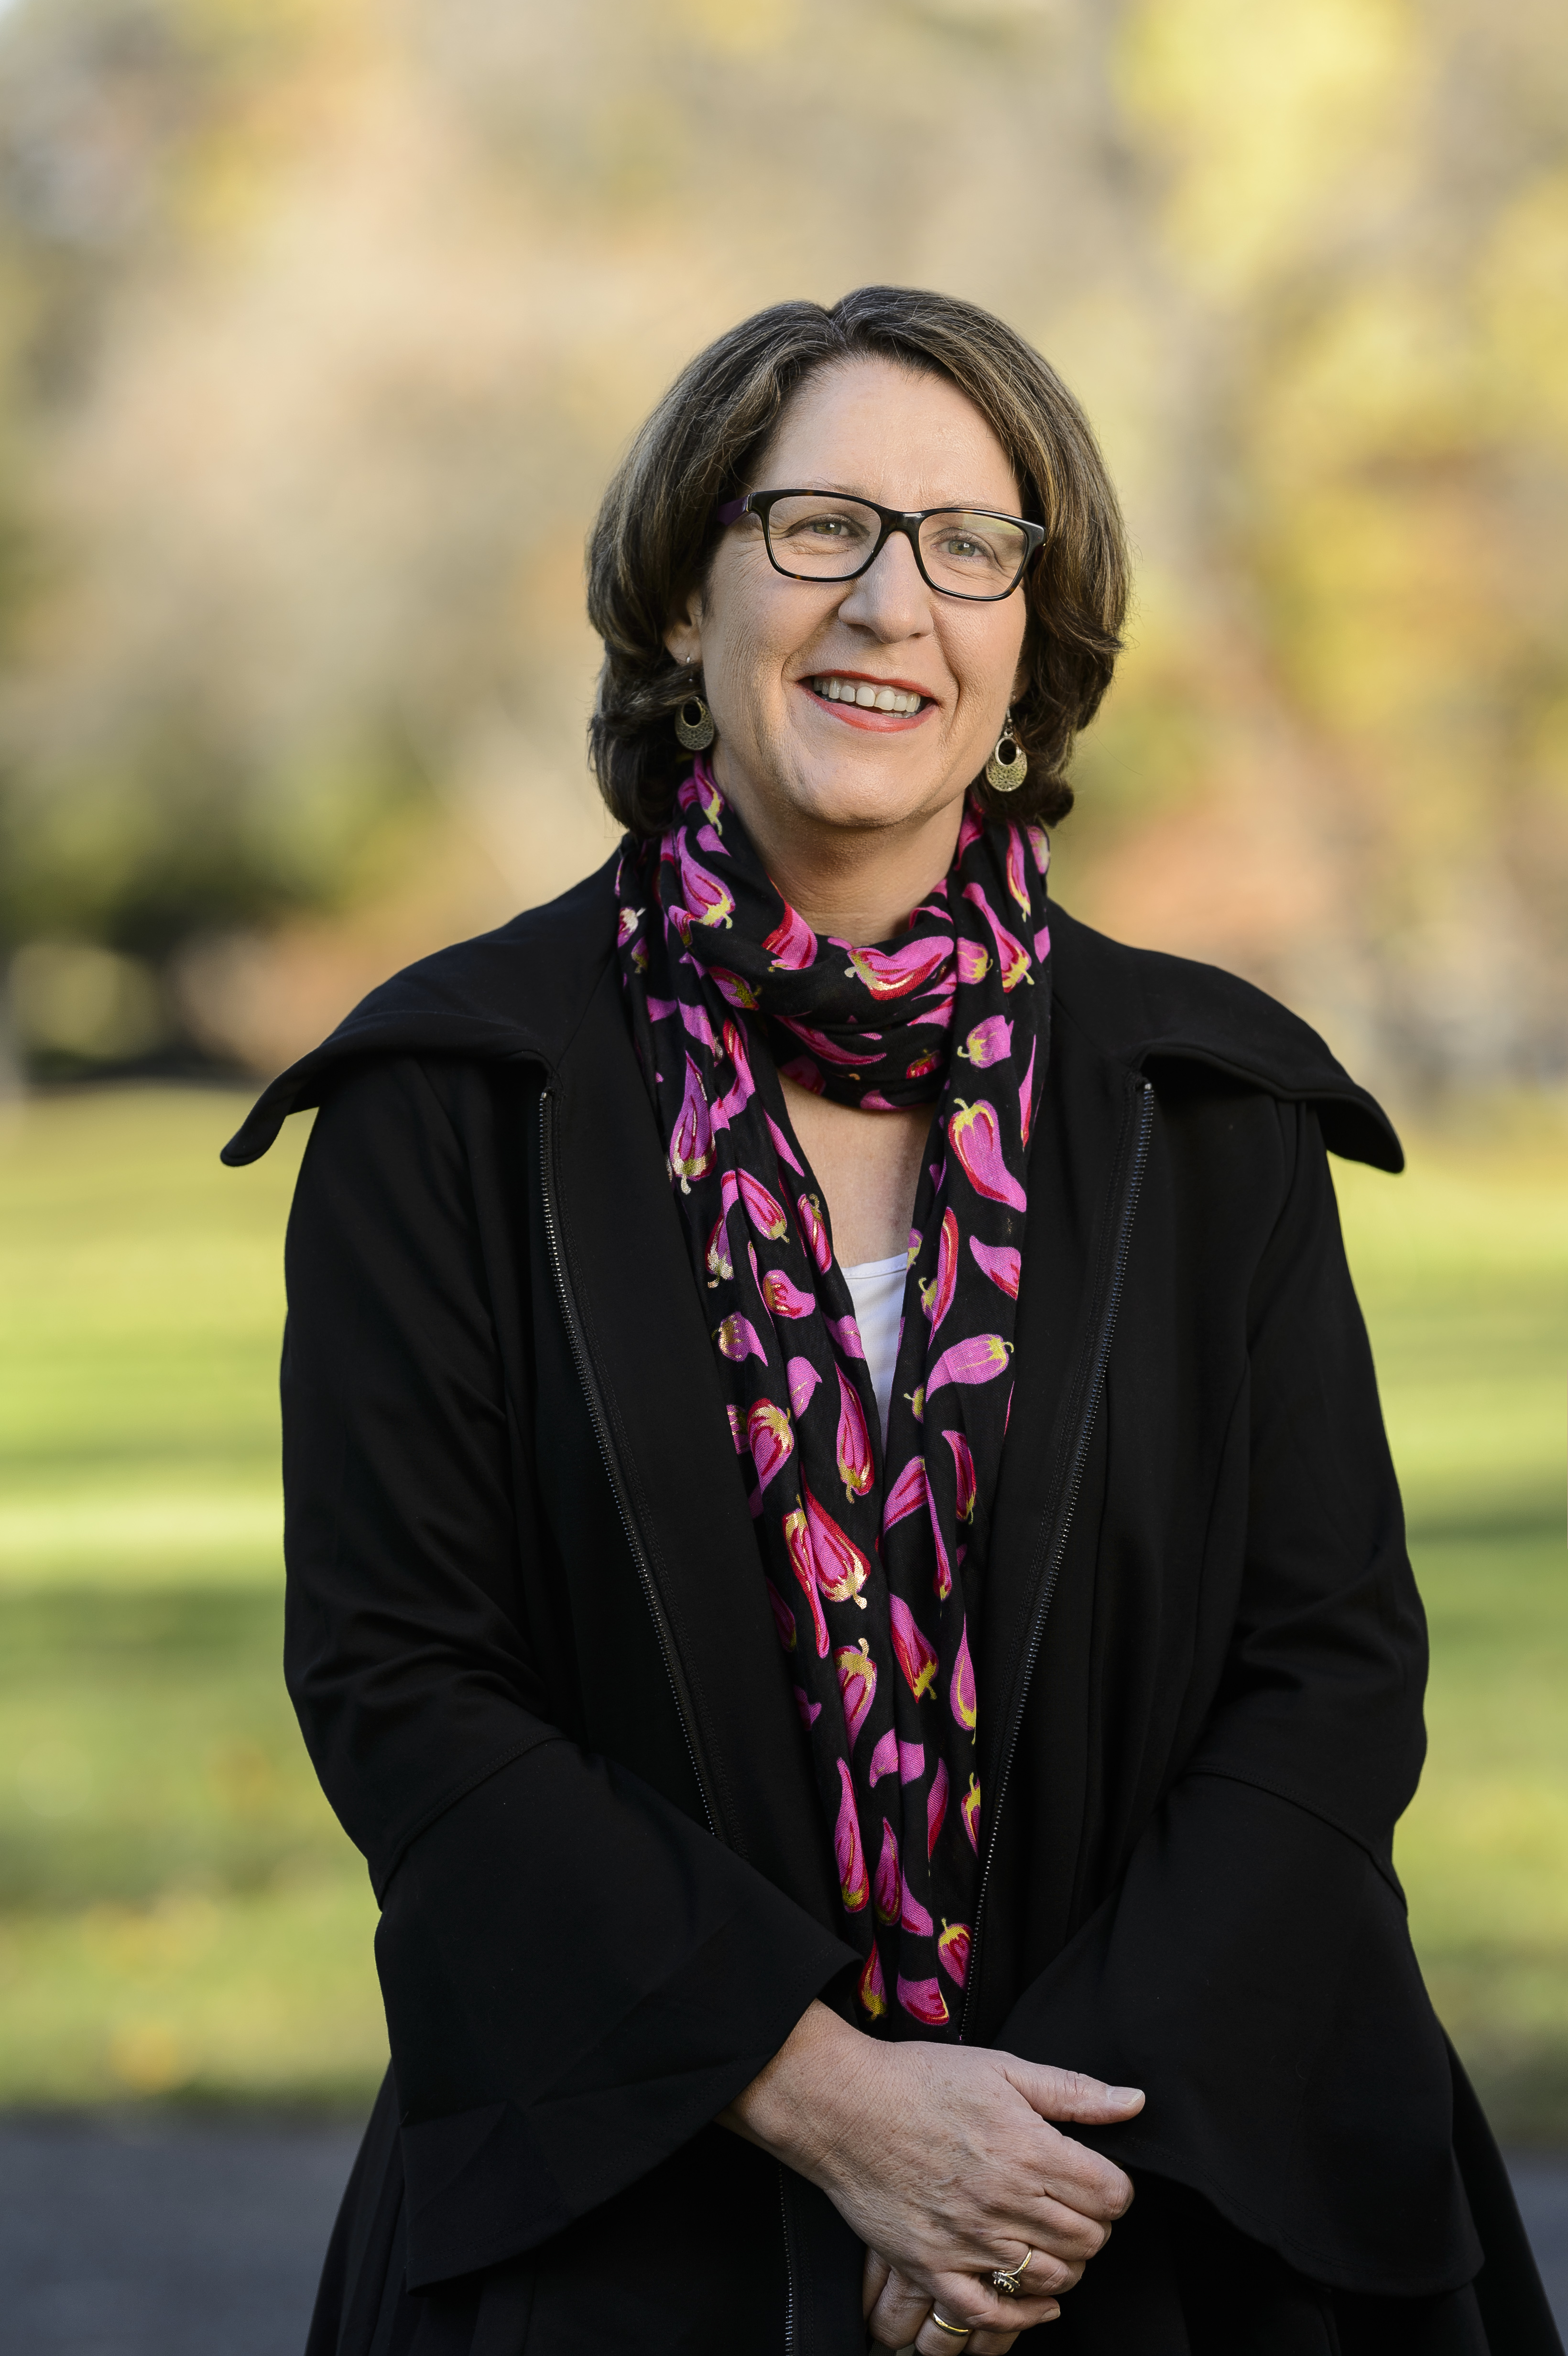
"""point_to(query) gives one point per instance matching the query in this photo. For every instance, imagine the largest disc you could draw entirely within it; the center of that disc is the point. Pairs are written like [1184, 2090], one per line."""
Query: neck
[853, 883]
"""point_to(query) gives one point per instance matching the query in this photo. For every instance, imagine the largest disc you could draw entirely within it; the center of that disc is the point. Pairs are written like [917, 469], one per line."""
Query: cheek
[1012, 652]
[740, 647]
[985, 665]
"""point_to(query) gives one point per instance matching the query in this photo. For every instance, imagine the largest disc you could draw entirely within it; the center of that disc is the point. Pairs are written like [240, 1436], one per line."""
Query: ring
[958, 2330]
[1009, 2280]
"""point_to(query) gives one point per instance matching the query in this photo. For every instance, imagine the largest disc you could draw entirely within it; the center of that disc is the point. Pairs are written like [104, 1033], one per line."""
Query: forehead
[902, 436]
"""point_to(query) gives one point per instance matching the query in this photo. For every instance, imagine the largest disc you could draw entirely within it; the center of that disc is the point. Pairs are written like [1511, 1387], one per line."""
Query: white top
[877, 1289]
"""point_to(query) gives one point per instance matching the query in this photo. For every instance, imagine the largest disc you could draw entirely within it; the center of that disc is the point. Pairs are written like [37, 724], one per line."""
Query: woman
[843, 1566]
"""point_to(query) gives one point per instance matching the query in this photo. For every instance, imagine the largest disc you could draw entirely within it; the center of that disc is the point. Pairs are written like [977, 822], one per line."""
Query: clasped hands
[946, 2162]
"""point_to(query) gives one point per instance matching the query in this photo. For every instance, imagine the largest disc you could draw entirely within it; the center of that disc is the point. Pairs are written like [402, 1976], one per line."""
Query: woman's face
[786, 753]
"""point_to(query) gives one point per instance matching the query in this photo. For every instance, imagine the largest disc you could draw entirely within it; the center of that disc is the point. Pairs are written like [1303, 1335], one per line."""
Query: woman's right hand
[946, 2162]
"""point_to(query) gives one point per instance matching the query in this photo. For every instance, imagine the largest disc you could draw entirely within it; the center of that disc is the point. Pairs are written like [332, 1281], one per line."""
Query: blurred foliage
[181, 1918]
[320, 325]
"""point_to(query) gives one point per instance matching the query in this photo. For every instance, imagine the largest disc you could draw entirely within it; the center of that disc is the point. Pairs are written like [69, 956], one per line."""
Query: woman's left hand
[898, 2315]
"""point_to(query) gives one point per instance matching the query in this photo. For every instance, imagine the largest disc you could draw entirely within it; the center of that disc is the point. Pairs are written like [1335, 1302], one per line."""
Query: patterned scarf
[872, 1558]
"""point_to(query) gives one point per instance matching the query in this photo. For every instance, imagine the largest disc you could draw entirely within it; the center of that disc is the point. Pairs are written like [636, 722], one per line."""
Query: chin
[859, 794]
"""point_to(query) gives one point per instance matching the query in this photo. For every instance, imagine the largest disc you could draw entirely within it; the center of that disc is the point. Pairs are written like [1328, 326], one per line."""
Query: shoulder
[1154, 1012]
[517, 993]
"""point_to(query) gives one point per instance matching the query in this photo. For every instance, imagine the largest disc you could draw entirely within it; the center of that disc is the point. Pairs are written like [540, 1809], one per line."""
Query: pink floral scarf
[873, 1560]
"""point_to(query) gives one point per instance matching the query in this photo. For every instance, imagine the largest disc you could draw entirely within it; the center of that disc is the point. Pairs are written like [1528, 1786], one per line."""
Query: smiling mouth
[834, 688]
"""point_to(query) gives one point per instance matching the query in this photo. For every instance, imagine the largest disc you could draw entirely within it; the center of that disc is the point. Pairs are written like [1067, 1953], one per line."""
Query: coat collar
[523, 992]
[1143, 1009]
[517, 993]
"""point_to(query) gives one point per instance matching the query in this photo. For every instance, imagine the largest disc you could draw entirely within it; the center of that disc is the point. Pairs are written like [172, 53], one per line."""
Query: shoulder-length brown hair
[656, 534]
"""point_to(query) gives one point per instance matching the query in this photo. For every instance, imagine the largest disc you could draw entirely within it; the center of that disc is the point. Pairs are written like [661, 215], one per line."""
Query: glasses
[825, 536]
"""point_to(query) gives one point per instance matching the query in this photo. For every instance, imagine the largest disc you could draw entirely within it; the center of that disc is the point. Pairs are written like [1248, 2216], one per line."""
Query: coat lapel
[642, 1321]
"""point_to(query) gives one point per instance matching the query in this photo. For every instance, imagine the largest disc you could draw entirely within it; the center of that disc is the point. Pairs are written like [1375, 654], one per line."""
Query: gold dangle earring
[693, 721]
[1008, 765]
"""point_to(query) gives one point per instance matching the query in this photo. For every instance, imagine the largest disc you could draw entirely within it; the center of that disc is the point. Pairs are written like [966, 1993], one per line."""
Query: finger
[1033, 2272]
[932, 2341]
[1048, 2275]
[1079, 2179]
[873, 2277]
[1069, 2094]
[969, 2300]
[900, 2310]
[997, 2343]
[1049, 2261]
[942, 2338]
[1065, 2229]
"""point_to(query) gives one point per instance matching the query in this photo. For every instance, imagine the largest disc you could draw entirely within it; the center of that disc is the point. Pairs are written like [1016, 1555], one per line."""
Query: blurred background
[322, 324]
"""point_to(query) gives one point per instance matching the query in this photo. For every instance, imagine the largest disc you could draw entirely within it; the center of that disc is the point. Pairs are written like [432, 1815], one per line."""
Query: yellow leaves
[1522, 298]
[1388, 598]
[987, 16]
[736, 27]
[1265, 112]
[1387, 367]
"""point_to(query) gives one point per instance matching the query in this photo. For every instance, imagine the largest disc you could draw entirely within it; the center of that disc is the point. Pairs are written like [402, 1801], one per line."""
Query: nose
[892, 600]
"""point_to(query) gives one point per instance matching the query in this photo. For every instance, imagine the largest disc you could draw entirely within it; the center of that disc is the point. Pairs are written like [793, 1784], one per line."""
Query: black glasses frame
[891, 520]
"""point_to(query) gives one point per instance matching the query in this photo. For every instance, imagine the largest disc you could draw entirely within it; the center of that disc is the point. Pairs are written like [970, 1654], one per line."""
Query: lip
[854, 715]
[872, 678]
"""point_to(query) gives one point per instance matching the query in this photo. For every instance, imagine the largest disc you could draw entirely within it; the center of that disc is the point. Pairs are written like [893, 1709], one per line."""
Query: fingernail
[1125, 2094]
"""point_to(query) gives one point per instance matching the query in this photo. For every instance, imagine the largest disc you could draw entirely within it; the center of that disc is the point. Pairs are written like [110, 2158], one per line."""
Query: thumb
[1063, 2095]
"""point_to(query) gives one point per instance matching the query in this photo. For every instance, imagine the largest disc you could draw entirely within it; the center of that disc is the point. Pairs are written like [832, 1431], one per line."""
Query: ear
[684, 636]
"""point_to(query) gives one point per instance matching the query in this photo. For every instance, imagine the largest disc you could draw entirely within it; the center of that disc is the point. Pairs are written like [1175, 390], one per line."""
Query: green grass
[179, 1913]
[1462, 1271]
[180, 1917]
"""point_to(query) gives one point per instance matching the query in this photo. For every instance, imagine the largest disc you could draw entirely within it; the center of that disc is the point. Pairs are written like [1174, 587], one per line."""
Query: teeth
[861, 691]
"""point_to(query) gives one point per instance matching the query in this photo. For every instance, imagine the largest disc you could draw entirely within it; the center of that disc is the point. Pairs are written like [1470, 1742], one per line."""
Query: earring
[1008, 765]
[693, 721]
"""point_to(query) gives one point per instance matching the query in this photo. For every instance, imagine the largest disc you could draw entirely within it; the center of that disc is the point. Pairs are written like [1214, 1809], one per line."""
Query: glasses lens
[972, 555]
[821, 536]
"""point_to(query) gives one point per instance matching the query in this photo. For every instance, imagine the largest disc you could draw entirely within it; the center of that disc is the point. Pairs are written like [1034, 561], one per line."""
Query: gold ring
[958, 2330]
[1009, 2280]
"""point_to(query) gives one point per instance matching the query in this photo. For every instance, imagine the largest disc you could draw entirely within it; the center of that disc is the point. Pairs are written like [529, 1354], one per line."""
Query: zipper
[789, 2260]
[601, 1422]
[1100, 1355]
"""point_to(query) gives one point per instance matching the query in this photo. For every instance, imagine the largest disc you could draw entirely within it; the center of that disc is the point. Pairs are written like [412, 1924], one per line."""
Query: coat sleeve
[1251, 1970]
[577, 1975]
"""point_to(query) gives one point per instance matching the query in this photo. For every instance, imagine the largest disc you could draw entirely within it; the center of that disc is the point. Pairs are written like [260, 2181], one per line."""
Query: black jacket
[530, 1647]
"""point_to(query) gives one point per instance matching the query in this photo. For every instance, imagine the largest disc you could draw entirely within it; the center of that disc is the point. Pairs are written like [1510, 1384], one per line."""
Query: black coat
[530, 1649]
